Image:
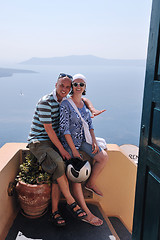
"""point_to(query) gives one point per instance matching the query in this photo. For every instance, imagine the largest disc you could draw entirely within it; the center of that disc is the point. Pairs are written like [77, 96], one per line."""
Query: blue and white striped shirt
[46, 112]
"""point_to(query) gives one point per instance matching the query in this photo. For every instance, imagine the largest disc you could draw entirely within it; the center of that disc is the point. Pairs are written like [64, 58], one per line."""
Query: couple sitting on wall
[61, 127]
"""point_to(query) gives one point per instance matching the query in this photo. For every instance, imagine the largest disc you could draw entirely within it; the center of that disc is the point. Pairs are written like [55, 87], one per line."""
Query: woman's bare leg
[100, 161]
[78, 195]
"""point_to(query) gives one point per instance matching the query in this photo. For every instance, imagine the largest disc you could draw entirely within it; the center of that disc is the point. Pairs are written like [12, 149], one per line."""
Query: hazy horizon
[10, 63]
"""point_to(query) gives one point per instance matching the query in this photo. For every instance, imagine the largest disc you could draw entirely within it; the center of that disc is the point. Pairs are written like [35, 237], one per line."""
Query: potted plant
[33, 187]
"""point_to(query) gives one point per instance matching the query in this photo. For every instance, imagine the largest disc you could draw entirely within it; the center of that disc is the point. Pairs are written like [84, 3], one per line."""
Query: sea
[116, 88]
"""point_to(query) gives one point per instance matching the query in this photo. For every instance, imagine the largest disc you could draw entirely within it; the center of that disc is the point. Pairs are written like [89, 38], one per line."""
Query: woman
[73, 139]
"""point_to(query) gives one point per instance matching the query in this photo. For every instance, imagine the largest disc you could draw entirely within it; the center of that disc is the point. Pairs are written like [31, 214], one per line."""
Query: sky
[114, 29]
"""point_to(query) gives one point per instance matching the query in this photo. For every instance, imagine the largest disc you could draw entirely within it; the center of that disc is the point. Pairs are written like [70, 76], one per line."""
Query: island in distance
[82, 60]
[8, 72]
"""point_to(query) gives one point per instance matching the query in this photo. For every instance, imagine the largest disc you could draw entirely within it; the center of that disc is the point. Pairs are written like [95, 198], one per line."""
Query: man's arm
[53, 137]
[94, 111]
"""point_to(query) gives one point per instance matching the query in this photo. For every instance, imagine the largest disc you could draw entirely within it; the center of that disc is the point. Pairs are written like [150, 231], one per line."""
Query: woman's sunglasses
[80, 84]
[61, 75]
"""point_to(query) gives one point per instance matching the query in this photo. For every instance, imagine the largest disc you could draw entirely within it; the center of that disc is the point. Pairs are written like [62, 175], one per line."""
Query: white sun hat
[79, 76]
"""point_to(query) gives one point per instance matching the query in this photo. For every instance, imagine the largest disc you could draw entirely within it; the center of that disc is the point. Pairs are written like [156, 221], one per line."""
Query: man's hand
[96, 112]
[53, 137]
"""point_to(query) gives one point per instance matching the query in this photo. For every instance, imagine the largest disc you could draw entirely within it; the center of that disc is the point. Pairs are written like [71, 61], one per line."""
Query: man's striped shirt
[47, 111]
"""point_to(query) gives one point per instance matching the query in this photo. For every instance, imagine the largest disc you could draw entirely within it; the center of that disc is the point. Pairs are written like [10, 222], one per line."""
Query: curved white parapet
[132, 151]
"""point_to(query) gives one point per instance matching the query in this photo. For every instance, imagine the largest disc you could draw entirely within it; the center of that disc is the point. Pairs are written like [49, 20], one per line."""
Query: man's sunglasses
[81, 84]
[61, 75]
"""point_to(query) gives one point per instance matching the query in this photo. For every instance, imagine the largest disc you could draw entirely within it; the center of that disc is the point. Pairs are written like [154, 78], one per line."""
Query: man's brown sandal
[56, 219]
[76, 213]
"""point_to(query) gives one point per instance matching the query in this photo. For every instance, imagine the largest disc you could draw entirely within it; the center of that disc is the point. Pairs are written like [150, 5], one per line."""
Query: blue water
[118, 89]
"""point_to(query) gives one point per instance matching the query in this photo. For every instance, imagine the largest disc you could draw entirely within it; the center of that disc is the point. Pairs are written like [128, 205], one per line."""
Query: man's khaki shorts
[49, 158]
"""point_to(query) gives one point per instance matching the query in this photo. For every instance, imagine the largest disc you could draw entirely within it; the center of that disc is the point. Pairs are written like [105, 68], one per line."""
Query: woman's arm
[95, 147]
[94, 111]
[72, 146]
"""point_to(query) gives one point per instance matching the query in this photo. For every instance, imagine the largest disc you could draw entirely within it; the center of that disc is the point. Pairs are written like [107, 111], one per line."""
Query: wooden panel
[156, 92]
[157, 65]
[153, 157]
[152, 211]
[154, 138]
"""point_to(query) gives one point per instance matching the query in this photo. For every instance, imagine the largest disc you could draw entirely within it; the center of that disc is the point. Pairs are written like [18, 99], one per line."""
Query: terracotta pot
[34, 199]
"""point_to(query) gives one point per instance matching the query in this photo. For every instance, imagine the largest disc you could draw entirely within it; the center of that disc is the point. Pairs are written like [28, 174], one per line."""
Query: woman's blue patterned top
[70, 123]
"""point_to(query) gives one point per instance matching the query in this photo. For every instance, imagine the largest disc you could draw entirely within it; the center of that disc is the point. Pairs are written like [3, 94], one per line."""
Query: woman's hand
[96, 112]
[95, 147]
[76, 154]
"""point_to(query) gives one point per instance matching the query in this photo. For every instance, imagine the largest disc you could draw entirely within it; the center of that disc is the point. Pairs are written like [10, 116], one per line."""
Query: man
[44, 143]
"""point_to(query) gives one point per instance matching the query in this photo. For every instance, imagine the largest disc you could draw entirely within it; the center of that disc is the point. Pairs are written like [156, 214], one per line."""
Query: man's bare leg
[64, 187]
[55, 197]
